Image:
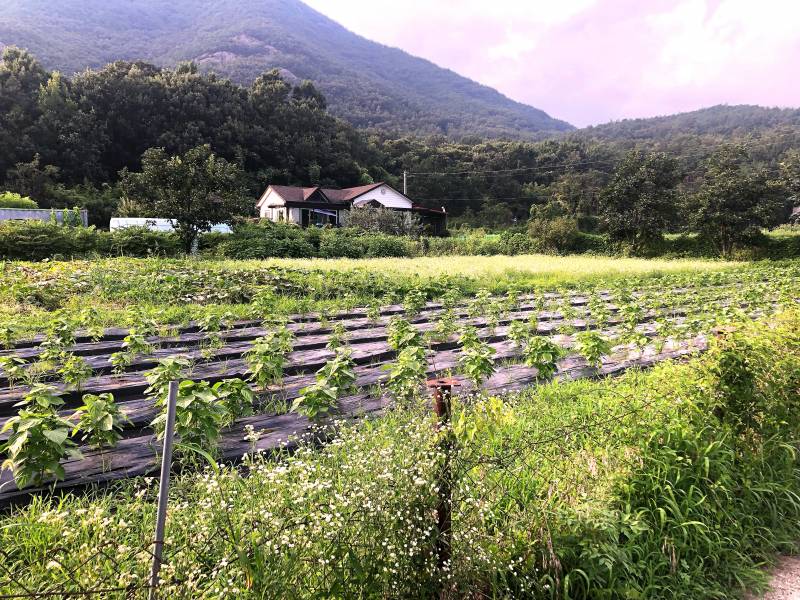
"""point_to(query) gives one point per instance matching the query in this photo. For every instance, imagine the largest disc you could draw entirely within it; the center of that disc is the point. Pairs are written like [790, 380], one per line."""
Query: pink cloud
[590, 61]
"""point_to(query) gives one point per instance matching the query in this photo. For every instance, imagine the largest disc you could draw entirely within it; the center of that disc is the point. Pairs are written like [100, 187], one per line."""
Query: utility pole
[405, 183]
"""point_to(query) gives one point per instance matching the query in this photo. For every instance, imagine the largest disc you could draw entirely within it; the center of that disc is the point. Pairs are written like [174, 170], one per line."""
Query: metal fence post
[163, 488]
[442, 390]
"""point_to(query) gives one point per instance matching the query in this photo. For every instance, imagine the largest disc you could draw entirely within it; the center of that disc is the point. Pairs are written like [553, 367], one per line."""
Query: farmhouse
[306, 206]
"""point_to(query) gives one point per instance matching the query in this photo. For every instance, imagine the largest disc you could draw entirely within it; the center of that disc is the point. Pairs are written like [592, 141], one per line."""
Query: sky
[593, 61]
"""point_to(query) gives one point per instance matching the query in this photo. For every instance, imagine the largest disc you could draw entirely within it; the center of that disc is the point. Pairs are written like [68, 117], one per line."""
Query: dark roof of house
[317, 197]
[317, 194]
[350, 194]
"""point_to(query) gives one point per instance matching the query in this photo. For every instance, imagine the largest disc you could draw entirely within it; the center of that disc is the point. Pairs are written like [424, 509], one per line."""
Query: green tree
[639, 204]
[21, 76]
[196, 190]
[790, 175]
[734, 201]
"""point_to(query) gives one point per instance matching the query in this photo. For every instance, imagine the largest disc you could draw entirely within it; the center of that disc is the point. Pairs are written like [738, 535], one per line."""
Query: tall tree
[639, 204]
[790, 175]
[735, 200]
[196, 190]
[21, 76]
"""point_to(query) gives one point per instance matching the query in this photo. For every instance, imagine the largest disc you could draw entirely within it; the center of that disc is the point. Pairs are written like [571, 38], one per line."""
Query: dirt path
[785, 582]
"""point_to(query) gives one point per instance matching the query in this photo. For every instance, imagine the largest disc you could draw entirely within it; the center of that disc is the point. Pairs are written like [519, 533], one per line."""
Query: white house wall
[270, 197]
[385, 196]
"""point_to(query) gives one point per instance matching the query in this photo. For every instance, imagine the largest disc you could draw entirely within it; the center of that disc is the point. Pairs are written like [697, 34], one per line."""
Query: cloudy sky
[591, 61]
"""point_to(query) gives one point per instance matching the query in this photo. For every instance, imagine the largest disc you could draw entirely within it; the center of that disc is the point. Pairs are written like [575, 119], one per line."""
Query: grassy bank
[674, 483]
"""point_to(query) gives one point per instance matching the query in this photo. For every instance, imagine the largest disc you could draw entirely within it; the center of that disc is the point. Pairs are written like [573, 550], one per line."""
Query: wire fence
[417, 513]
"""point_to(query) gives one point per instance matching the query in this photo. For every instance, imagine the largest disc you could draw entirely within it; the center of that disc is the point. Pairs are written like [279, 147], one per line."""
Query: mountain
[730, 121]
[368, 84]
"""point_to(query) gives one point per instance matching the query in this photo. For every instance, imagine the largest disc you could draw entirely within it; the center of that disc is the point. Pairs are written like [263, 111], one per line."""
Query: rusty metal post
[442, 390]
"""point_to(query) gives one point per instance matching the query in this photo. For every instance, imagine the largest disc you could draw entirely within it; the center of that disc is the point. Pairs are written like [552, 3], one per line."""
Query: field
[175, 291]
[309, 461]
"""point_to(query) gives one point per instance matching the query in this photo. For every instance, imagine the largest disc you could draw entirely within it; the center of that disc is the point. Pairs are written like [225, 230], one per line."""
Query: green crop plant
[445, 326]
[333, 380]
[267, 357]
[8, 336]
[407, 374]
[519, 332]
[198, 418]
[477, 361]
[338, 336]
[478, 304]
[414, 302]
[39, 439]
[99, 420]
[75, 370]
[450, 298]
[374, 311]
[236, 397]
[166, 370]
[15, 369]
[400, 334]
[542, 354]
[592, 346]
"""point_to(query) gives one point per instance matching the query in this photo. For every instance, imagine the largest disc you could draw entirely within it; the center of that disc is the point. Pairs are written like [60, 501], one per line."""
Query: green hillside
[368, 84]
[722, 120]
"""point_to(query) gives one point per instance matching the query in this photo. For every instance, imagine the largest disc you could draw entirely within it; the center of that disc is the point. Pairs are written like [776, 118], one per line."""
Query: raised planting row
[365, 360]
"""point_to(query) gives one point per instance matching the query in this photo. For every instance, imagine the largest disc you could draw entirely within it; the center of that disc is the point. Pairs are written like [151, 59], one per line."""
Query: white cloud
[589, 61]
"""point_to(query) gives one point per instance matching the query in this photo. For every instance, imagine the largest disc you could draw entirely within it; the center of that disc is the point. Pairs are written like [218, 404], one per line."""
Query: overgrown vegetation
[674, 483]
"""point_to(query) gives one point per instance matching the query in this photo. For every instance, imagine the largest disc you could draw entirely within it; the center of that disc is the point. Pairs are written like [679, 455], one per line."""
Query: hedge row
[33, 240]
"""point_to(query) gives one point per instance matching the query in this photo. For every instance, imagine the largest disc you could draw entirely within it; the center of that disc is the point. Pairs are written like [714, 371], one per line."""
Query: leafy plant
[407, 373]
[482, 298]
[414, 301]
[332, 381]
[445, 325]
[400, 334]
[8, 335]
[338, 336]
[542, 354]
[266, 359]
[485, 420]
[374, 311]
[592, 346]
[14, 369]
[198, 417]
[236, 397]
[75, 370]
[518, 332]
[39, 439]
[100, 420]
[168, 369]
[477, 362]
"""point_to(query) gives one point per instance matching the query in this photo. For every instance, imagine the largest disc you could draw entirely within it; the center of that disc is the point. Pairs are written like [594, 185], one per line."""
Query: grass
[680, 482]
[541, 269]
[119, 291]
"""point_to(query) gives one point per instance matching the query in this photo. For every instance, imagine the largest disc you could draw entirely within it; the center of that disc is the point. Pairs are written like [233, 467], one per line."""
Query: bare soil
[785, 582]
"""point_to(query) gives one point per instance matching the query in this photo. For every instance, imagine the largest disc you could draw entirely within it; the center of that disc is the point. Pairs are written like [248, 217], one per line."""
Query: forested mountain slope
[368, 84]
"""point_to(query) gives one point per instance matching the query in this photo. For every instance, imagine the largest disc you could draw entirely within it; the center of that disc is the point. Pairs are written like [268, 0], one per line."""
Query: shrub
[140, 242]
[12, 200]
[265, 240]
[37, 240]
[385, 220]
[558, 235]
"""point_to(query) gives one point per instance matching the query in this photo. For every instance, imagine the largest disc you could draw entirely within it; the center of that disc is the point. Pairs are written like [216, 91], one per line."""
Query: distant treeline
[64, 141]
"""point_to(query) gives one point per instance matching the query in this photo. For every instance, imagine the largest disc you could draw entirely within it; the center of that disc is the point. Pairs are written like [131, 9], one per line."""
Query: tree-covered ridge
[727, 120]
[368, 84]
